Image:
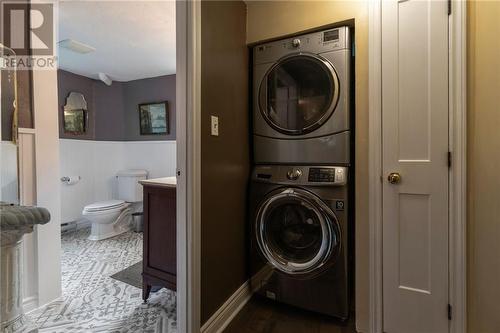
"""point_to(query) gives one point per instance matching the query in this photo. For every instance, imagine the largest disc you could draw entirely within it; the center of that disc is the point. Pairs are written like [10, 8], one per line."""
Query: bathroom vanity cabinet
[159, 244]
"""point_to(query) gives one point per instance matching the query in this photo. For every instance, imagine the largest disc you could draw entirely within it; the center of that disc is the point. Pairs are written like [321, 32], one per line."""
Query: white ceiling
[133, 39]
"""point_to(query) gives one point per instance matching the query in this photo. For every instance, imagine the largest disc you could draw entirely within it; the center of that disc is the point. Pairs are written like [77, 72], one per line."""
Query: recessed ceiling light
[76, 46]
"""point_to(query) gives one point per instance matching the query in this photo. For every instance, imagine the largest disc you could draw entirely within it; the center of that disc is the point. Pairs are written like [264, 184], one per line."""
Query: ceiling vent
[76, 46]
[104, 78]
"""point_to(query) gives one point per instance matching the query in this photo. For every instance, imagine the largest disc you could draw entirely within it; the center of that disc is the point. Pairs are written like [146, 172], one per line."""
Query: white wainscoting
[27, 196]
[97, 163]
[8, 165]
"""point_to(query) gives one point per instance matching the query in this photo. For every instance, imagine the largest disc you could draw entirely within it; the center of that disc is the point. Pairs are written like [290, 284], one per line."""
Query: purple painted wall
[157, 89]
[109, 111]
[113, 110]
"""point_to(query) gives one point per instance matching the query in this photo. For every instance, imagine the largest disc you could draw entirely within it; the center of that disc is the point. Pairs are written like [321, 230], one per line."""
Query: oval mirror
[75, 113]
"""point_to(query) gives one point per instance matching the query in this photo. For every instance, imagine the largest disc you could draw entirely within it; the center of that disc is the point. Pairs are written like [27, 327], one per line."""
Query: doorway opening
[117, 137]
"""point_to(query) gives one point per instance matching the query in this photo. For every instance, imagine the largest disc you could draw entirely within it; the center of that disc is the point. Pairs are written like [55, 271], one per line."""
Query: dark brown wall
[225, 159]
[24, 91]
[24, 98]
[7, 107]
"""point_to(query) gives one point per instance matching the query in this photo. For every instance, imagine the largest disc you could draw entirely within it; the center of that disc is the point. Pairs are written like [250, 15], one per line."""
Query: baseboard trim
[83, 224]
[75, 225]
[223, 316]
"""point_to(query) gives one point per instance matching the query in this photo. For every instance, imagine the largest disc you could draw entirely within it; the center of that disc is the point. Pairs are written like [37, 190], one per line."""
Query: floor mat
[131, 275]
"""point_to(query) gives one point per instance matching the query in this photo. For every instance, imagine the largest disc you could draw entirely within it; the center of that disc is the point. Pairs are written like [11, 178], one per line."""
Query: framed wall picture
[153, 118]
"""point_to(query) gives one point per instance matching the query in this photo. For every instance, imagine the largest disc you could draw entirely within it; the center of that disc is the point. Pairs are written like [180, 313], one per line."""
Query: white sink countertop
[165, 181]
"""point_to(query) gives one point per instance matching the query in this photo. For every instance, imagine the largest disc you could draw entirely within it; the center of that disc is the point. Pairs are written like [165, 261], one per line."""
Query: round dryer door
[298, 94]
[297, 232]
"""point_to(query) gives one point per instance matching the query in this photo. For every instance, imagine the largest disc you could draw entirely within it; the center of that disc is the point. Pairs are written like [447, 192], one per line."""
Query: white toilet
[113, 217]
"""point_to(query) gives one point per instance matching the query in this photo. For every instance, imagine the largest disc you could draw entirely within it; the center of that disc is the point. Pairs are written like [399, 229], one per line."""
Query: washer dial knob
[294, 174]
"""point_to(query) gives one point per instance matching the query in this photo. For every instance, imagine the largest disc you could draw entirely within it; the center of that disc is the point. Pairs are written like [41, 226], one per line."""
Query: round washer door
[298, 94]
[297, 233]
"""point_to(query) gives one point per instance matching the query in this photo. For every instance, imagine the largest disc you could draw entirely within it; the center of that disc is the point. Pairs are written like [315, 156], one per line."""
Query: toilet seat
[104, 206]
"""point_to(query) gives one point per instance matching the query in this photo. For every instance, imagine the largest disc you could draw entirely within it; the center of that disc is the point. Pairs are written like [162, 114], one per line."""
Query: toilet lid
[104, 205]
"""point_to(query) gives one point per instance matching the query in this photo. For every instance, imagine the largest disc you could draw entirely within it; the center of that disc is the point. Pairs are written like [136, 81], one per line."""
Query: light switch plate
[214, 120]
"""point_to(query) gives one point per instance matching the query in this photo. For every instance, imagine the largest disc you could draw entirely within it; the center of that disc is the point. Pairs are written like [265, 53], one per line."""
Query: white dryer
[301, 99]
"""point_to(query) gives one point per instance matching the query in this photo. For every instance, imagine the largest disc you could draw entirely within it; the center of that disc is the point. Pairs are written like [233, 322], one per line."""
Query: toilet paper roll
[70, 180]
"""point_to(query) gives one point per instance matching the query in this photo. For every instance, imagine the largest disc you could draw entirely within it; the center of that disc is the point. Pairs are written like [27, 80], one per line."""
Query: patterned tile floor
[92, 301]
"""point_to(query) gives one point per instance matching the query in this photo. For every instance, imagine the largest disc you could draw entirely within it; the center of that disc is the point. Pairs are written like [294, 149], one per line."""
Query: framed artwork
[153, 118]
[75, 114]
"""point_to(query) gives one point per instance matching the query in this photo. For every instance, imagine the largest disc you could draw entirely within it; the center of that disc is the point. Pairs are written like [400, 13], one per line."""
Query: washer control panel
[328, 175]
[301, 175]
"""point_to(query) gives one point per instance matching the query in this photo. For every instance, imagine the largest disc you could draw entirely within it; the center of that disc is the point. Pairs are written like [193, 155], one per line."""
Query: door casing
[188, 97]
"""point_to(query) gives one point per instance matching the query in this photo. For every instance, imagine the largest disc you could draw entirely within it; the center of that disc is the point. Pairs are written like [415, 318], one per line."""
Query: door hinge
[449, 311]
[449, 7]
[449, 159]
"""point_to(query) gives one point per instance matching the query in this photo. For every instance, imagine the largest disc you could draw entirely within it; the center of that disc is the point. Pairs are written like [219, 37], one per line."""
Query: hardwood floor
[264, 316]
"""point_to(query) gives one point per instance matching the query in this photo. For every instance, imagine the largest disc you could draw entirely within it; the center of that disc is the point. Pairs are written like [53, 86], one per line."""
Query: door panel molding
[457, 172]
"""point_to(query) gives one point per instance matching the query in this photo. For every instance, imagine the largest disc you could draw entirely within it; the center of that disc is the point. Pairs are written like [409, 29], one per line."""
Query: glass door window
[296, 233]
[299, 94]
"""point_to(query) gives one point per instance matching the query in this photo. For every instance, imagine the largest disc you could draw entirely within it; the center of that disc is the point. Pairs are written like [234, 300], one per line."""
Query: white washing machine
[301, 99]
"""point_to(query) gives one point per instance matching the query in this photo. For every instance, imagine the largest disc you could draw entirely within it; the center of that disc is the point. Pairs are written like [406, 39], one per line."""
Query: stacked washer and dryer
[302, 179]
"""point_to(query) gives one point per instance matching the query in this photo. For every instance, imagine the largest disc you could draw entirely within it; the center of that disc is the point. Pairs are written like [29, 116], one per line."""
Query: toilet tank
[129, 188]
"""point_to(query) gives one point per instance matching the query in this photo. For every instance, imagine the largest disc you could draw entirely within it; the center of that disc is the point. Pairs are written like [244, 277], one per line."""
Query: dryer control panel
[301, 175]
[320, 42]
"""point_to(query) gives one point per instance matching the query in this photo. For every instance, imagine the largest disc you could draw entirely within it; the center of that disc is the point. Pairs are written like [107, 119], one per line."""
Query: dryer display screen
[322, 175]
[331, 35]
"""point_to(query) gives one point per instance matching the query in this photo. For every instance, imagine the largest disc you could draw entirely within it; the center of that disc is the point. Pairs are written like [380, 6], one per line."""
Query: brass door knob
[394, 178]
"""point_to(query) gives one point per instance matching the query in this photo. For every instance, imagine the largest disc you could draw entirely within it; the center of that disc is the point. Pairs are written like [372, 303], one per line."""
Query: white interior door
[415, 147]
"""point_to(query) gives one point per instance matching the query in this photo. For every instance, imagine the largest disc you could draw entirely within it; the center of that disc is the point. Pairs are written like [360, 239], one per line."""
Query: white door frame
[457, 174]
[188, 97]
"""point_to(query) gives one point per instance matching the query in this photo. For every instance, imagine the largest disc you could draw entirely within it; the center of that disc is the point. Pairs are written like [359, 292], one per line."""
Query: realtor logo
[28, 25]
[28, 29]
